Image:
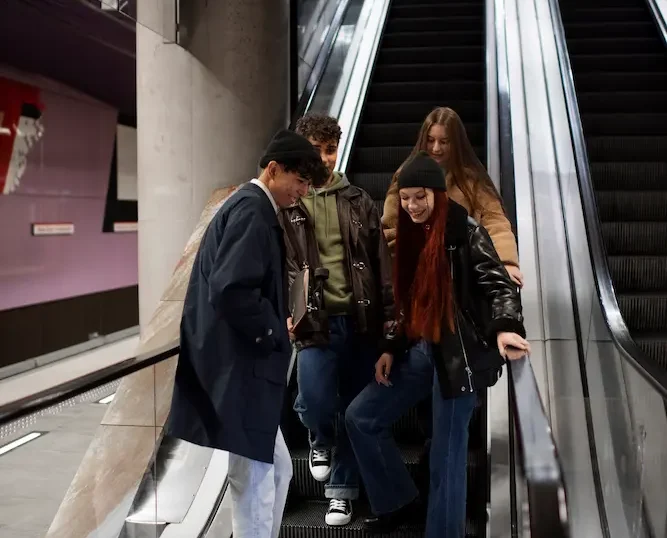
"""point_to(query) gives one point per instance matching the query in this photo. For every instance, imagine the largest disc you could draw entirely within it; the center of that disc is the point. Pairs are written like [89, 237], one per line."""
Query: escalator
[431, 53]
[619, 64]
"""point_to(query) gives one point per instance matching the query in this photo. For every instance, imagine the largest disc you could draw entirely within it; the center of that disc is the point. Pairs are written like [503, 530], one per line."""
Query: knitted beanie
[422, 171]
[287, 145]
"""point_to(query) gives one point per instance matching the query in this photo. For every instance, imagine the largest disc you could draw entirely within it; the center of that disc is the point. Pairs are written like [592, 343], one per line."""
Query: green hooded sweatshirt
[324, 212]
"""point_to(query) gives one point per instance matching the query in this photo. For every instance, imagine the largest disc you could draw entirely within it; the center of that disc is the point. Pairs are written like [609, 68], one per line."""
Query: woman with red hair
[460, 317]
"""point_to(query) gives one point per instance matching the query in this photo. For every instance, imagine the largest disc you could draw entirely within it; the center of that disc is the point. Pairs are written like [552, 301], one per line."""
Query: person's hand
[512, 346]
[515, 274]
[383, 369]
[290, 328]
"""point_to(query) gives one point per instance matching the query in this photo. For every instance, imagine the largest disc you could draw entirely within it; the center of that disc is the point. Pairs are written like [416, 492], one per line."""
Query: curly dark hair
[319, 127]
[312, 169]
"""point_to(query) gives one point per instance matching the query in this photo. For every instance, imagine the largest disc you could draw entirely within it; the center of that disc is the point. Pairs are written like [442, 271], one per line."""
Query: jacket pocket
[264, 390]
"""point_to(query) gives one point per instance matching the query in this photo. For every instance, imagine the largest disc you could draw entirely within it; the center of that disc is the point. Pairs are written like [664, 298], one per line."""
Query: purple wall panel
[66, 181]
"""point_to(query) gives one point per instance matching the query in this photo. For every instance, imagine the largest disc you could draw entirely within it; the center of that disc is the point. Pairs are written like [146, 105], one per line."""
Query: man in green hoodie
[337, 227]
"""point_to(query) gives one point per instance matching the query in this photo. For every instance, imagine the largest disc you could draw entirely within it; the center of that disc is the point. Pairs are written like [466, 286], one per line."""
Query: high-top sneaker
[319, 462]
[339, 513]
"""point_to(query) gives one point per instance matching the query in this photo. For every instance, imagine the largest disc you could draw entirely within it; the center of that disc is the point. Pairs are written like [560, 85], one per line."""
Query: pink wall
[66, 180]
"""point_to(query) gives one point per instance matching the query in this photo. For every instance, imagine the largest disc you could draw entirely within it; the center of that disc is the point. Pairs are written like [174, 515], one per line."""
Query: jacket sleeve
[493, 218]
[239, 268]
[382, 268]
[290, 254]
[390, 215]
[495, 283]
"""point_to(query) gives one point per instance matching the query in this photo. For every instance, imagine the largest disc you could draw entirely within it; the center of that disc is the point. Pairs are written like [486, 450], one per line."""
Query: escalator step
[644, 312]
[424, 10]
[307, 521]
[608, 45]
[639, 273]
[435, 24]
[413, 112]
[643, 176]
[387, 159]
[304, 485]
[435, 72]
[618, 62]
[636, 124]
[417, 55]
[614, 29]
[632, 205]
[655, 346]
[404, 134]
[626, 148]
[430, 39]
[432, 91]
[621, 82]
[635, 238]
[618, 102]
[374, 184]
[595, 14]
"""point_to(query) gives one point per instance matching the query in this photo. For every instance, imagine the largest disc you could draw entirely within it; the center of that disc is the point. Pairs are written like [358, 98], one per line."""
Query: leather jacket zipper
[458, 326]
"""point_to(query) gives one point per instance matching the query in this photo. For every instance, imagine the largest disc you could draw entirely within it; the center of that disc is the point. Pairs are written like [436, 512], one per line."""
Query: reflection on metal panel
[180, 468]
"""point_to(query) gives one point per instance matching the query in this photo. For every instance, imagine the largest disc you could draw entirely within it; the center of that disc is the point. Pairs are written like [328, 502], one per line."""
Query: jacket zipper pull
[469, 372]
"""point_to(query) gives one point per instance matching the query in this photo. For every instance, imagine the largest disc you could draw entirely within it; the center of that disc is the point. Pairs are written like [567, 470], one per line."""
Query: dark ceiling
[76, 43]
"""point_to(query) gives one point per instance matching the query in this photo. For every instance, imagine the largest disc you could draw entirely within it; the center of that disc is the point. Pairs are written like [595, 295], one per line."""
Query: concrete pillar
[204, 116]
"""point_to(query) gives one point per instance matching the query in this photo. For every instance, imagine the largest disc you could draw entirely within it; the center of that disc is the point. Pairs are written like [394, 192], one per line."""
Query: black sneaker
[339, 513]
[319, 462]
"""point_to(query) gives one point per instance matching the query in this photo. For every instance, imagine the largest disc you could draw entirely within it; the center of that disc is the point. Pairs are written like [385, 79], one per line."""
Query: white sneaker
[339, 513]
[319, 462]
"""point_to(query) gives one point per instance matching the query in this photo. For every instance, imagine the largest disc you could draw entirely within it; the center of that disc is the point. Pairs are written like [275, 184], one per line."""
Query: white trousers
[259, 492]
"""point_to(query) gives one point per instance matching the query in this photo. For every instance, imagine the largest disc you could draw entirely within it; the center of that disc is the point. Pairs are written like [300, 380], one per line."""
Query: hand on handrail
[512, 346]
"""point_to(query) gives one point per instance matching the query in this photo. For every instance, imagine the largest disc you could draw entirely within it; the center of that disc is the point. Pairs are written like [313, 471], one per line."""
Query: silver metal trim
[355, 95]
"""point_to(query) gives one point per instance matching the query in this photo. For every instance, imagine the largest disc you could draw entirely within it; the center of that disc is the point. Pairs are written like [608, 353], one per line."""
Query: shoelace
[340, 505]
[320, 456]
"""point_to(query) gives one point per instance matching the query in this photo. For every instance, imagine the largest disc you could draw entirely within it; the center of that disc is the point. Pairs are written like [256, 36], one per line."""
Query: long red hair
[422, 277]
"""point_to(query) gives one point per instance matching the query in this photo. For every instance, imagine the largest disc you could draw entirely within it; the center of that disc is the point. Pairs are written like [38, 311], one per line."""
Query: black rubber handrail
[539, 457]
[320, 63]
[72, 388]
[618, 329]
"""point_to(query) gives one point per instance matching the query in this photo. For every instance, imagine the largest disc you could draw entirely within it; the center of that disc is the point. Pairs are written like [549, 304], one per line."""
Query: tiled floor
[34, 477]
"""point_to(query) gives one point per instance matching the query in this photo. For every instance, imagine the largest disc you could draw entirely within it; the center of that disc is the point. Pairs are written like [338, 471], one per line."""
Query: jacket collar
[267, 205]
[457, 225]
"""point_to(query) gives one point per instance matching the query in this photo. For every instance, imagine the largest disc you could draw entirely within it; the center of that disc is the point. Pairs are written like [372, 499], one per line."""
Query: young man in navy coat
[235, 348]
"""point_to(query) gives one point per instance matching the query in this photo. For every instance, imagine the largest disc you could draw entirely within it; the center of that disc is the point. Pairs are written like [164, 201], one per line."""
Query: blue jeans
[329, 378]
[388, 483]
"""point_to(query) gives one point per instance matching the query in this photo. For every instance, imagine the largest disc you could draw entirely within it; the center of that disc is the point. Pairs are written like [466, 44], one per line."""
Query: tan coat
[491, 216]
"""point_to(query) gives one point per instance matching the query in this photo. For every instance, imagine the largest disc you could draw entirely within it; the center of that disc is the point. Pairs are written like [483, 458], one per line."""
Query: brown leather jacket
[367, 256]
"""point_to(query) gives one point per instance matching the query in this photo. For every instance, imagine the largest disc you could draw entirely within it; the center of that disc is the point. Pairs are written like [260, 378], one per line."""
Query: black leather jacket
[487, 302]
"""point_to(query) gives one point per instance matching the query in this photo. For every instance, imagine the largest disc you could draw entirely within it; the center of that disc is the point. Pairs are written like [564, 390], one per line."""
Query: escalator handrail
[539, 457]
[59, 393]
[321, 62]
[611, 312]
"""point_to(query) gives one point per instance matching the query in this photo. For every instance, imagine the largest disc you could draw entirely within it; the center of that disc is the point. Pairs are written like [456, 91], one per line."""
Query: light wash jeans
[259, 492]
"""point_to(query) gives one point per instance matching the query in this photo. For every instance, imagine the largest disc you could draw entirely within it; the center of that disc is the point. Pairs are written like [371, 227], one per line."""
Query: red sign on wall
[20, 128]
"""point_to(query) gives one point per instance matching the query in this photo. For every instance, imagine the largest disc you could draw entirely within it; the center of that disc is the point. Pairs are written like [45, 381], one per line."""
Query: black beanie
[287, 145]
[422, 171]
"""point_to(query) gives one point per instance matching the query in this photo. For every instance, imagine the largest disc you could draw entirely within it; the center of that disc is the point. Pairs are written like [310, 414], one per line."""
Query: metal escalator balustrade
[619, 64]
